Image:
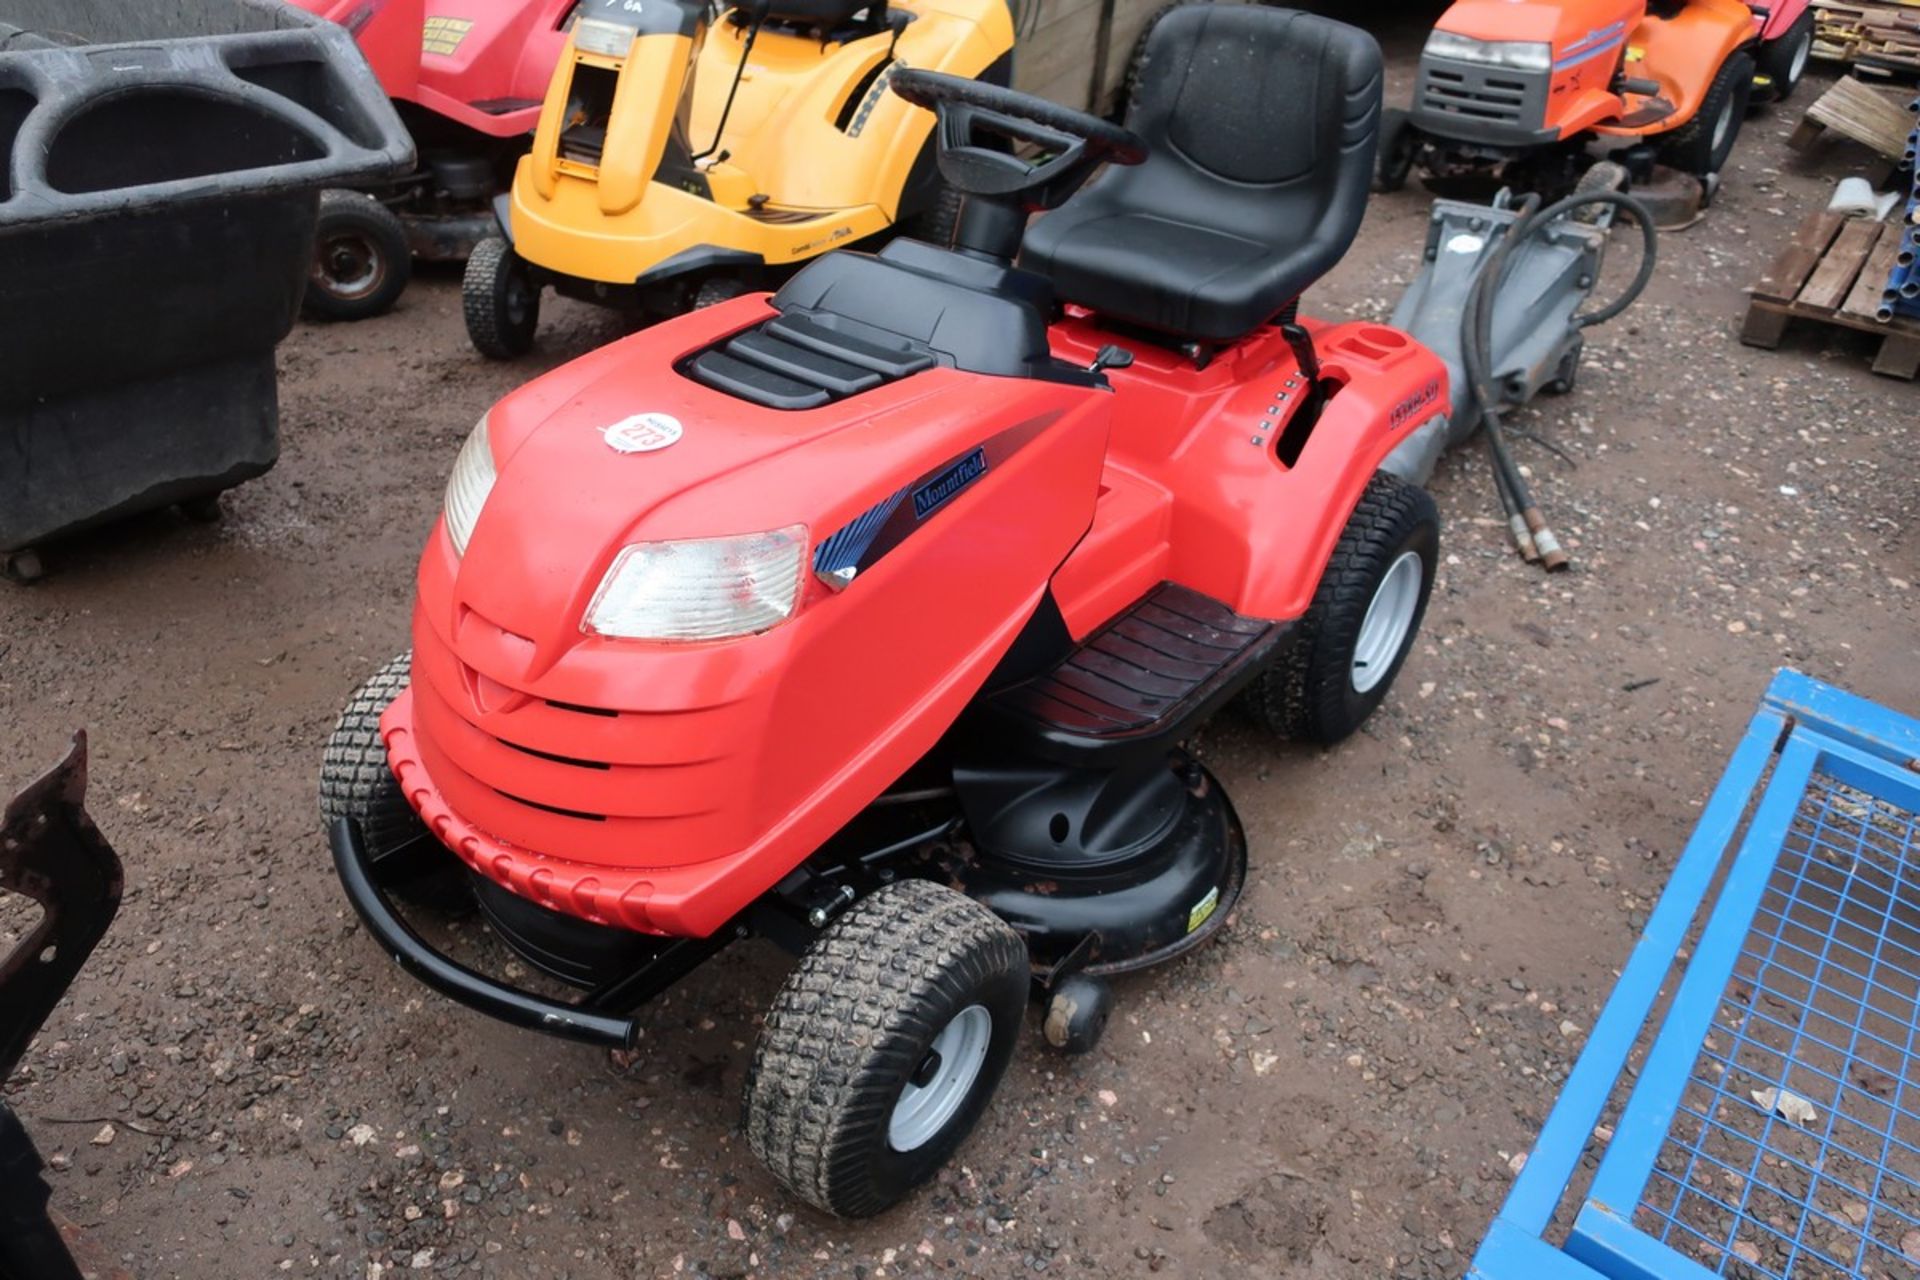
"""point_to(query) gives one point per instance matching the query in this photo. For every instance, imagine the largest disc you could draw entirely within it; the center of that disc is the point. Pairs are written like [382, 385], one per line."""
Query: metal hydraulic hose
[1532, 535]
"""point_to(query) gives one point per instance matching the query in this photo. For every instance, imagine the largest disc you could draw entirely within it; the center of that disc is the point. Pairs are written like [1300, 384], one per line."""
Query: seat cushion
[1179, 276]
[827, 14]
[1260, 125]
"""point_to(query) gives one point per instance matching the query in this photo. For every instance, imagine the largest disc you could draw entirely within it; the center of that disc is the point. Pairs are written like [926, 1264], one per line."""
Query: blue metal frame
[1807, 740]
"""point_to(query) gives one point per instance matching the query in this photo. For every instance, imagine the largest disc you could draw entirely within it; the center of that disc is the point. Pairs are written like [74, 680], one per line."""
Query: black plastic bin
[160, 169]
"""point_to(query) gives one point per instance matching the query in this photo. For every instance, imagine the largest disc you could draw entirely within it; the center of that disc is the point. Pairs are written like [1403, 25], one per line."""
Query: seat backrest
[1273, 112]
[1261, 122]
[1259, 95]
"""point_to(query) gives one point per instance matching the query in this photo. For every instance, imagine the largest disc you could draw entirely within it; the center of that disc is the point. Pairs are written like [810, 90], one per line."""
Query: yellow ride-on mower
[682, 158]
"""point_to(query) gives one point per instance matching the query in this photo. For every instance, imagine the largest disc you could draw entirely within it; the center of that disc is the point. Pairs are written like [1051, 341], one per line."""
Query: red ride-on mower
[467, 78]
[871, 616]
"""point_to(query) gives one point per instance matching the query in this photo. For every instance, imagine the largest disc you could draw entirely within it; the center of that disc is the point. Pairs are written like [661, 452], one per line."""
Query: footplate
[1143, 681]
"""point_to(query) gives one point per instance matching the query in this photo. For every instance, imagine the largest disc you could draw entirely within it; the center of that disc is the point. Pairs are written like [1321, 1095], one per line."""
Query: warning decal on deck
[443, 35]
[1203, 909]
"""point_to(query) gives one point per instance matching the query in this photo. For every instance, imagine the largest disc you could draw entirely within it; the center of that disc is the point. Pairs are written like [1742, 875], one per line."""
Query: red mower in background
[871, 617]
[468, 78]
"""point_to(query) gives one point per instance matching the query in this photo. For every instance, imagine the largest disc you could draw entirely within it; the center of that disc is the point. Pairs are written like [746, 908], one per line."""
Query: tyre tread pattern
[850, 1019]
[1776, 56]
[483, 306]
[1303, 695]
[355, 779]
[937, 223]
[1690, 147]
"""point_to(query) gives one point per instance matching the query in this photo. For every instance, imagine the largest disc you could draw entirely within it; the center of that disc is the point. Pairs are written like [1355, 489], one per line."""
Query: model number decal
[1414, 403]
[937, 492]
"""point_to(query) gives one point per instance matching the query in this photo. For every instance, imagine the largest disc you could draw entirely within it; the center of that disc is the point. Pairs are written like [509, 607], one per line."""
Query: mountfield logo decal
[937, 492]
[642, 433]
[1415, 403]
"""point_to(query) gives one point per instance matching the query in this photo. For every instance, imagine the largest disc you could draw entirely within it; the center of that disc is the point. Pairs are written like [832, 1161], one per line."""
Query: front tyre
[356, 782]
[1363, 619]
[500, 299]
[884, 1047]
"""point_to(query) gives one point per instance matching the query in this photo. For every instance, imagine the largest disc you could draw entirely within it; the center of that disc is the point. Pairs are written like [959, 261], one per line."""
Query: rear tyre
[1783, 60]
[1137, 60]
[937, 223]
[1399, 146]
[356, 782]
[717, 289]
[361, 260]
[1362, 622]
[1701, 145]
[500, 299]
[884, 1047]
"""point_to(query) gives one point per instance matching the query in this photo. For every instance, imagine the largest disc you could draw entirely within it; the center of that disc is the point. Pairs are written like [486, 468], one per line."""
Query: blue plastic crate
[1761, 1080]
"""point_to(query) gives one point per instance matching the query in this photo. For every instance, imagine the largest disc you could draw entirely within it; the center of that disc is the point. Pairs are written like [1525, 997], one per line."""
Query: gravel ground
[242, 1085]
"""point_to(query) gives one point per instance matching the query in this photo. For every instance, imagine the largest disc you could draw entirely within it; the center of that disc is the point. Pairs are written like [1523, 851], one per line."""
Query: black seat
[1262, 124]
[824, 15]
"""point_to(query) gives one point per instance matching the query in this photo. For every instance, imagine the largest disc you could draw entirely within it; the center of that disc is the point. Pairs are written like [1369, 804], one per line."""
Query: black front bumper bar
[602, 1016]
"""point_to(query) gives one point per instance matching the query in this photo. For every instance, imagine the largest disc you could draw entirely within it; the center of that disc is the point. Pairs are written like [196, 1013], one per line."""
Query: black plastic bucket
[162, 166]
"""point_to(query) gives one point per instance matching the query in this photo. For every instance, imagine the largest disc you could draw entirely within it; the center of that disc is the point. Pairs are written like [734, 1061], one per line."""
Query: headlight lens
[609, 39]
[1517, 55]
[701, 589]
[469, 485]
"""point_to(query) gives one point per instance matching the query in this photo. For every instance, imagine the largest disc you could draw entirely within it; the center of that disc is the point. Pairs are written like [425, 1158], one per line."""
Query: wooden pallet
[1881, 37]
[1869, 116]
[1834, 272]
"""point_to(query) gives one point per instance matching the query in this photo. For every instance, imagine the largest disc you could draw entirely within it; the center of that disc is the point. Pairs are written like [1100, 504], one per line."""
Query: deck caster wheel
[500, 299]
[884, 1047]
[356, 782]
[1077, 1012]
[202, 510]
[21, 566]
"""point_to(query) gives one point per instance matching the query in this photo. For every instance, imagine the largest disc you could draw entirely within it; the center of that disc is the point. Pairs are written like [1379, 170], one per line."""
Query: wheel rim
[347, 265]
[1801, 52]
[1388, 622]
[518, 300]
[1724, 125]
[946, 1077]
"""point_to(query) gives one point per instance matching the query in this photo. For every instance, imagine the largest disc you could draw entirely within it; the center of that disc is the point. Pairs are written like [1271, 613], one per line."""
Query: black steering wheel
[1077, 142]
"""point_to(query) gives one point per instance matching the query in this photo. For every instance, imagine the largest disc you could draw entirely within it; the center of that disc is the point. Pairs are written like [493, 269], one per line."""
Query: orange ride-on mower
[467, 77]
[1515, 90]
[871, 617]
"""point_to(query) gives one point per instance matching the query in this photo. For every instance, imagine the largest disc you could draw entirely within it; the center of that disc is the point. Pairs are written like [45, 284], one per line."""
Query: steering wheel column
[1001, 188]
